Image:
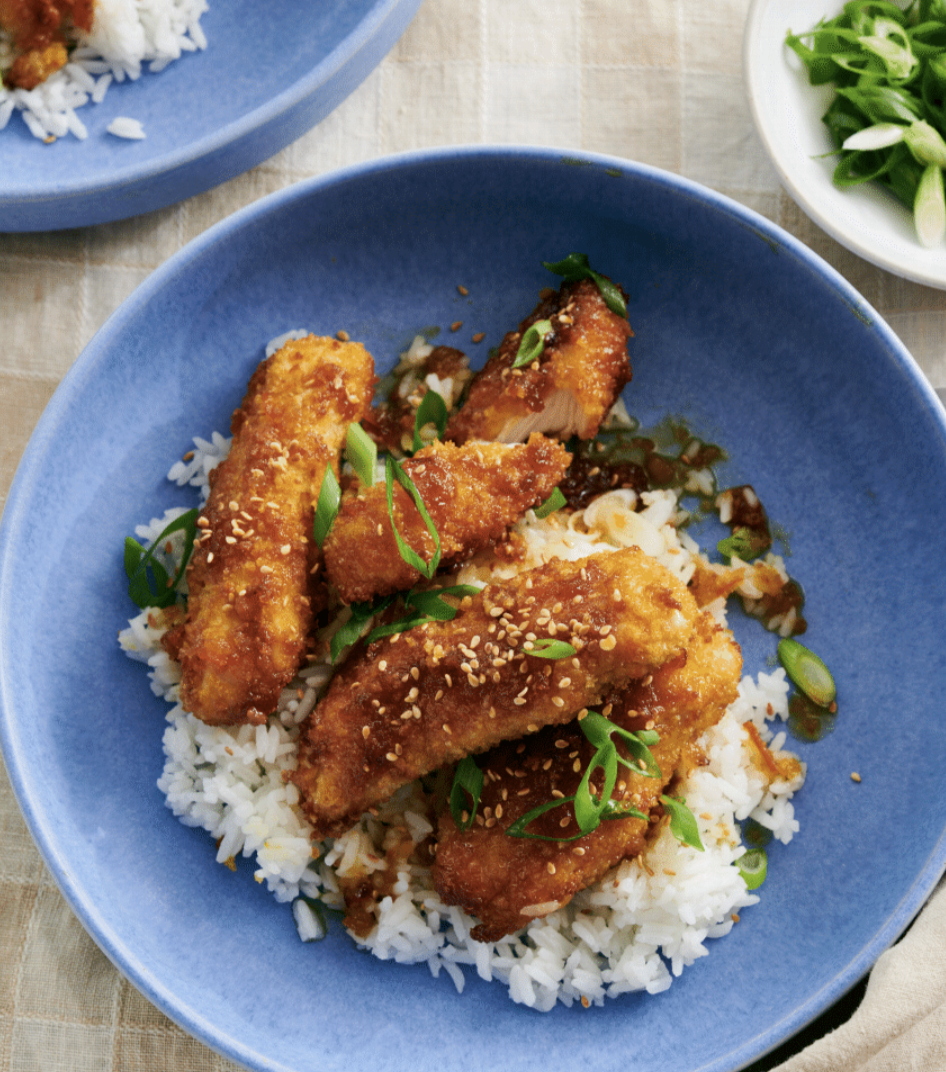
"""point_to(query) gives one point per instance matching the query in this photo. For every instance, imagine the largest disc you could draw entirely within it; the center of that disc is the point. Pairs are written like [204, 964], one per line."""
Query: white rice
[127, 36]
[635, 930]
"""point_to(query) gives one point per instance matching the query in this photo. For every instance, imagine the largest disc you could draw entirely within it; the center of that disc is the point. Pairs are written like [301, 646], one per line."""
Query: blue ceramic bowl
[271, 71]
[740, 331]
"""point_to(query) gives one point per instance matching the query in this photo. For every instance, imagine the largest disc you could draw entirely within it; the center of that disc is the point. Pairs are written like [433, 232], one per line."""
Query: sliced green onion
[432, 410]
[554, 502]
[393, 470]
[431, 603]
[532, 343]
[326, 509]
[878, 136]
[575, 266]
[362, 451]
[753, 866]
[351, 630]
[926, 143]
[465, 792]
[807, 671]
[149, 583]
[929, 208]
[889, 42]
[591, 808]
[682, 822]
[744, 543]
[428, 607]
[549, 648]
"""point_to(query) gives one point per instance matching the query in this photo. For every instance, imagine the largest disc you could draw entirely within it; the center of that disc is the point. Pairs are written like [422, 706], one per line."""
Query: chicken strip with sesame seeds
[472, 493]
[250, 577]
[408, 704]
[568, 390]
[506, 881]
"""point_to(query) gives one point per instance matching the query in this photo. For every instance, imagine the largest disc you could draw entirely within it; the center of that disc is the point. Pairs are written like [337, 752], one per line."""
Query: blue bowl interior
[739, 331]
[270, 72]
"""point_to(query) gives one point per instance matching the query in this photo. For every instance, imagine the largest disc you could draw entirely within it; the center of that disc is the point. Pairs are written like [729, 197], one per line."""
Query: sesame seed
[342, 336]
[391, 757]
[550, 867]
[609, 643]
[855, 777]
[558, 701]
[462, 289]
[479, 336]
[366, 732]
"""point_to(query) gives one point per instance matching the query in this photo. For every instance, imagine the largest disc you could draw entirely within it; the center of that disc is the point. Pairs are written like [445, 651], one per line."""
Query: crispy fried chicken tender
[250, 578]
[39, 29]
[472, 493]
[507, 881]
[567, 391]
[408, 704]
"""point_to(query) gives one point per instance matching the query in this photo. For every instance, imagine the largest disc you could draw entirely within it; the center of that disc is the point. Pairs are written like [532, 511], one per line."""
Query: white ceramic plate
[787, 111]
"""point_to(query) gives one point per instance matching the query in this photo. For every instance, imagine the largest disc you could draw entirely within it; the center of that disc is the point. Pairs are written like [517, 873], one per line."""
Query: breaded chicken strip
[472, 493]
[39, 31]
[249, 607]
[406, 705]
[506, 881]
[568, 391]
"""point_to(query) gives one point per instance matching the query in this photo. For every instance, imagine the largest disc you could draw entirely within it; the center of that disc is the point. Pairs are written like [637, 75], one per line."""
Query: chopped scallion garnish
[532, 343]
[465, 792]
[753, 866]
[807, 671]
[888, 117]
[591, 807]
[393, 470]
[432, 410]
[326, 509]
[554, 502]
[549, 648]
[149, 583]
[744, 543]
[362, 452]
[575, 266]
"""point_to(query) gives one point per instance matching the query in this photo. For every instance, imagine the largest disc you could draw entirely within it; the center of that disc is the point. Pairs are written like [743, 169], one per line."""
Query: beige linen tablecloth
[658, 81]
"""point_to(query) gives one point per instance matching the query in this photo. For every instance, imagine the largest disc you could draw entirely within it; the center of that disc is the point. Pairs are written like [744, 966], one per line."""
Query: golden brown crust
[407, 705]
[568, 391]
[40, 29]
[506, 881]
[250, 597]
[472, 494]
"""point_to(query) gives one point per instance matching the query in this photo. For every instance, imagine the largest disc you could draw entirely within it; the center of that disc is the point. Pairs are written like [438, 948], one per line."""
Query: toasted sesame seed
[366, 732]
[558, 701]
[342, 336]
[550, 867]
[479, 336]
[391, 757]
[609, 643]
